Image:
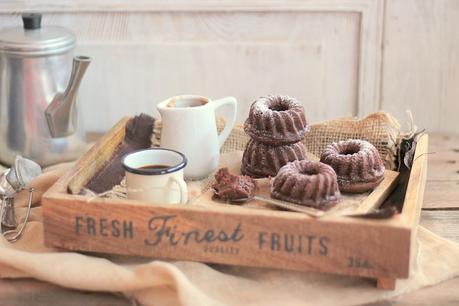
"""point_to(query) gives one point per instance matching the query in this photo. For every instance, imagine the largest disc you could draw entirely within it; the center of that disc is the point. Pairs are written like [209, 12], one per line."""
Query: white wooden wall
[339, 57]
[421, 61]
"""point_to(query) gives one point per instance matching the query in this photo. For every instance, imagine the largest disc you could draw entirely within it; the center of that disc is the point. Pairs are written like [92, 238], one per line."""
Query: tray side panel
[415, 191]
[96, 158]
[287, 241]
[416, 184]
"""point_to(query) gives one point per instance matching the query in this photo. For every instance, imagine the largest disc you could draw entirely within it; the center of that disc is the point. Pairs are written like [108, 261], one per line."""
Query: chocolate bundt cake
[357, 164]
[276, 120]
[307, 183]
[262, 160]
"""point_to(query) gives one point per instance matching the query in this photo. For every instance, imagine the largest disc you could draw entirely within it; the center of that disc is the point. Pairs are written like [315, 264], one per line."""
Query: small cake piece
[307, 183]
[357, 164]
[276, 120]
[263, 160]
[230, 187]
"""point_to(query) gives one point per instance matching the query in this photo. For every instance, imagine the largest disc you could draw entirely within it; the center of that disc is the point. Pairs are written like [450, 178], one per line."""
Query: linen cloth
[155, 282]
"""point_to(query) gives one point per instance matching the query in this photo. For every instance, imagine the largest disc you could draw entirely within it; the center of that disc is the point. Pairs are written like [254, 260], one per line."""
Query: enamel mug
[156, 176]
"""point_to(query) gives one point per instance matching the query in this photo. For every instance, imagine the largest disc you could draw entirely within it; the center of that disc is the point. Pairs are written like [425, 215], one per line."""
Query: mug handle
[230, 120]
[183, 190]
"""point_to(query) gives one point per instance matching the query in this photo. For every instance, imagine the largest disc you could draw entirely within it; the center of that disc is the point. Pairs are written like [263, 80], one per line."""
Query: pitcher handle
[183, 189]
[231, 118]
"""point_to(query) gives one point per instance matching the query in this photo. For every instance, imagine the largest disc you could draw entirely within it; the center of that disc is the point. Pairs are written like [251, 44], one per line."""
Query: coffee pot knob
[31, 21]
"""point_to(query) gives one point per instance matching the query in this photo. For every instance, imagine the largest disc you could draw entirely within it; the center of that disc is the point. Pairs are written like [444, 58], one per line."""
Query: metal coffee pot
[38, 88]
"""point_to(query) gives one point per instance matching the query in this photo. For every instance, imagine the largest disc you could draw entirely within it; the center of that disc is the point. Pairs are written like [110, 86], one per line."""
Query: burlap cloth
[155, 282]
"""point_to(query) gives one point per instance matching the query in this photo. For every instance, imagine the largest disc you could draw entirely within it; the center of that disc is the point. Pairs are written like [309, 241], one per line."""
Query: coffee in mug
[156, 176]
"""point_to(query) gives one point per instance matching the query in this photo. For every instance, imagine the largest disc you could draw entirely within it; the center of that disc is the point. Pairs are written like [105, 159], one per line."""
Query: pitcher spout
[61, 113]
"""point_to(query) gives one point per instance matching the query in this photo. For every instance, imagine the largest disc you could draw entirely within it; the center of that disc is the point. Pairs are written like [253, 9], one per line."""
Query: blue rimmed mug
[155, 176]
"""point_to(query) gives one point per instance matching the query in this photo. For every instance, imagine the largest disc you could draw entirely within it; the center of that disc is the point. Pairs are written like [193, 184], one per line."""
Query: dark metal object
[383, 213]
[31, 21]
[8, 215]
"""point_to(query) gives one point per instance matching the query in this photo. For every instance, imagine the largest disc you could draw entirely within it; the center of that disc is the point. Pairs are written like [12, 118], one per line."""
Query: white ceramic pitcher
[188, 126]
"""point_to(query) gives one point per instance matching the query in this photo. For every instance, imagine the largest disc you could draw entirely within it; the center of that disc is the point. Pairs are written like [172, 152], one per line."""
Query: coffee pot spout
[61, 113]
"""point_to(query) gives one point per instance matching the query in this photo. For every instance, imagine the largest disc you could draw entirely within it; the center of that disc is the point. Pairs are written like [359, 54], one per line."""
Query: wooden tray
[380, 249]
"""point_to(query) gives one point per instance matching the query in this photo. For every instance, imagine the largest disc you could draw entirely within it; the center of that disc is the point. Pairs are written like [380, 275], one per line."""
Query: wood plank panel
[443, 163]
[443, 168]
[23, 292]
[181, 5]
[142, 58]
[441, 195]
[441, 141]
[421, 62]
[442, 188]
[444, 223]
[326, 53]
[445, 294]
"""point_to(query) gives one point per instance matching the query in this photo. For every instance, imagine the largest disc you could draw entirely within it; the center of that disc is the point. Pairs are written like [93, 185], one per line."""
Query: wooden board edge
[386, 283]
[379, 195]
[416, 185]
[60, 227]
[414, 196]
[93, 160]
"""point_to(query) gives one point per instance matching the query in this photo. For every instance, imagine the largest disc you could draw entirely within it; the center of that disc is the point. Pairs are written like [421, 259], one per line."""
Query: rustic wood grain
[444, 223]
[427, 82]
[114, 33]
[416, 184]
[26, 292]
[111, 31]
[441, 195]
[66, 222]
[380, 193]
[444, 294]
[386, 283]
[444, 166]
[97, 156]
[440, 141]
[146, 51]
[443, 175]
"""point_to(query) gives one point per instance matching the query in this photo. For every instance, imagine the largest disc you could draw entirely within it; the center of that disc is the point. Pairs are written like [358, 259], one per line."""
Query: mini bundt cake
[276, 120]
[263, 160]
[307, 183]
[357, 164]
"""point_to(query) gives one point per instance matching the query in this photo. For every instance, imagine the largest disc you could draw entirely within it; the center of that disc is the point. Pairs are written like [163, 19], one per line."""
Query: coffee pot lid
[33, 40]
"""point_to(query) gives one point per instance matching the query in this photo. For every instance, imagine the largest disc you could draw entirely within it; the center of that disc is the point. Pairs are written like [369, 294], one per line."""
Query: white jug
[189, 126]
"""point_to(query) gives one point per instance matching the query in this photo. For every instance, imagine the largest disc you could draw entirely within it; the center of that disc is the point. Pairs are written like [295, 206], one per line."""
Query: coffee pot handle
[230, 119]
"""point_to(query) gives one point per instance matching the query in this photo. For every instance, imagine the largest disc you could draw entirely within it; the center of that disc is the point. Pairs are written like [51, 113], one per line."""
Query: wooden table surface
[440, 214]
